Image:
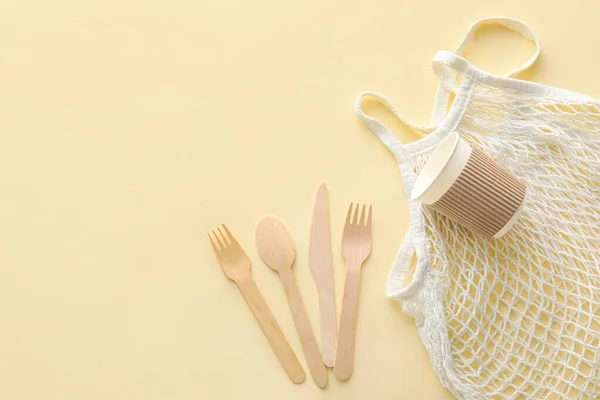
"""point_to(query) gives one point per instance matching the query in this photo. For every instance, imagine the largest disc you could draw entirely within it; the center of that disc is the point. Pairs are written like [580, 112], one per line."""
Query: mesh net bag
[516, 317]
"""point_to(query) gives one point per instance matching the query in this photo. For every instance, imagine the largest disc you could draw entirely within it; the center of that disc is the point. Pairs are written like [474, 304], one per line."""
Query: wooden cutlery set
[276, 248]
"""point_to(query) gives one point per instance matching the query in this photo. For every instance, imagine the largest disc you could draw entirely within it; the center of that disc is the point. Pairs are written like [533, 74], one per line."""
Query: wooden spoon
[277, 250]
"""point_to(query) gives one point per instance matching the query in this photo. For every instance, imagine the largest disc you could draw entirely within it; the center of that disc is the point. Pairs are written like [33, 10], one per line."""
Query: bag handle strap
[380, 130]
[401, 266]
[447, 65]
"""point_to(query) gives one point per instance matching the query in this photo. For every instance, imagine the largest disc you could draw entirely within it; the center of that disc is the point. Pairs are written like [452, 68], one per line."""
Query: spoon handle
[271, 329]
[305, 332]
[344, 361]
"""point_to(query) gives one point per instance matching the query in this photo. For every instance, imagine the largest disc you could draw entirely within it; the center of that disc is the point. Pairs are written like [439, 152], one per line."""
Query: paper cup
[470, 188]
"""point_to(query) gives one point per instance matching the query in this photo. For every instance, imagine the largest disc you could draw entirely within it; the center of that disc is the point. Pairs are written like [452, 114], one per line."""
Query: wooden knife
[321, 265]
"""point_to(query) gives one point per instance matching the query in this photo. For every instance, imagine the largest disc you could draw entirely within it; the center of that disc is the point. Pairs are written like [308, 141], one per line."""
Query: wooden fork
[236, 265]
[356, 247]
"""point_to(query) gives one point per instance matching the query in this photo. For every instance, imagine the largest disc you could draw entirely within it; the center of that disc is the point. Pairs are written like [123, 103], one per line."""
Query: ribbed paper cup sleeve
[484, 198]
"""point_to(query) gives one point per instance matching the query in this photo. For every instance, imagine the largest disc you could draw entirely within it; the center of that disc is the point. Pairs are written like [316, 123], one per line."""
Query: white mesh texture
[519, 317]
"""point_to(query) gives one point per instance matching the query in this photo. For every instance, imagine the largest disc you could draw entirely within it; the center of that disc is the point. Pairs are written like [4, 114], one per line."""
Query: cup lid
[435, 165]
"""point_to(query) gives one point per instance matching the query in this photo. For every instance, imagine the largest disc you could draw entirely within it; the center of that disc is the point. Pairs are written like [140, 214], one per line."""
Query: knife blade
[321, 265]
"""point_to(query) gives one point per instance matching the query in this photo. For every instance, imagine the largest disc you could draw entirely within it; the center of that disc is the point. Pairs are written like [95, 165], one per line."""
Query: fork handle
[272, 331]
[344, 360]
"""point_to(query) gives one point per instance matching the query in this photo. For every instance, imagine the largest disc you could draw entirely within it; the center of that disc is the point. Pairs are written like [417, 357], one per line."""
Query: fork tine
[349, 216]
[362, 221]
[230, 235]
[214, 245]
[227, 235]
[218, 237]
[370, 218]
[356, 214]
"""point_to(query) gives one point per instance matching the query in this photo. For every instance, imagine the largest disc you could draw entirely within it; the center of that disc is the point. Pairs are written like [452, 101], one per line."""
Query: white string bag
[516, 317]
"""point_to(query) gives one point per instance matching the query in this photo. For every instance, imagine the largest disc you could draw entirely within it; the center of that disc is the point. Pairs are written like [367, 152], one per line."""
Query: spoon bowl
[275, 244]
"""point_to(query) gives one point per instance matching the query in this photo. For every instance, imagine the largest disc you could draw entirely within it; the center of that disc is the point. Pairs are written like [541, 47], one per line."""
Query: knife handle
[328, 314]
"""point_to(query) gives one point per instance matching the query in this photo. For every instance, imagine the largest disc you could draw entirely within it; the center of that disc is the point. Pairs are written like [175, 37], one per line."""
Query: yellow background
[128, 129]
